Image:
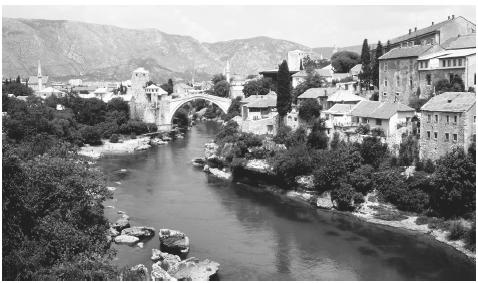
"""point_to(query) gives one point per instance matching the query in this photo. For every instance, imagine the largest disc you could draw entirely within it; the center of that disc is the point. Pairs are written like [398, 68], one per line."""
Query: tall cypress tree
[366, 74]
[387, 48]
[283, 91]
[376, 66]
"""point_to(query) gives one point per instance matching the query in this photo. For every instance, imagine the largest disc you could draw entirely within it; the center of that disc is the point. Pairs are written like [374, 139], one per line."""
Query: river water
[257, 236]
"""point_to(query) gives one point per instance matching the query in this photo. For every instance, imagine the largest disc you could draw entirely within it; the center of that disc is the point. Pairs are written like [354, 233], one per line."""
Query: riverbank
[109, 148]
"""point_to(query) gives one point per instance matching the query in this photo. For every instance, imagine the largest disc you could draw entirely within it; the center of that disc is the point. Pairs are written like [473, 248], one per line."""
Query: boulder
[112, 232]
[193, 269]
[140, 271]
[220, 174]
[258, 165]
[121, 224]
[198, 162]
[126, 239]
[305, 182]
[166, 260]
[206, 168]
[325, 201]
[140, 232]
[174, 242]
[159, 274]
[140, 245]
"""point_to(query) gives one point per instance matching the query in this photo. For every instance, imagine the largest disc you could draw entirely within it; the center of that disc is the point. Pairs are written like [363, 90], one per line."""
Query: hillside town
[310, 150]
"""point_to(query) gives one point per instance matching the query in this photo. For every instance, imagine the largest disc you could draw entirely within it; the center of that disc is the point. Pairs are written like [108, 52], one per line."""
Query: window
[436, 118]
[385, 66]
[455, 119]
[454, 62]
[443, 63]
[474, 119]
[411, 83]
[385, 82]
[429, 79]
[459, 62]
[378, 122]
[384, 94]
[435, 135]
[447, 119]
[455, 137]
[451, 76]
[428, 134]
[447, 136]
[398, 80]
[364, 120]
[429, 118]
[397, 93]
[449, 62]
[426, 64]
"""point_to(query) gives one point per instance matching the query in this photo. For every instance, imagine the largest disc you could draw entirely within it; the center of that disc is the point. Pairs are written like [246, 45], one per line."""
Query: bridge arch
[176, 103]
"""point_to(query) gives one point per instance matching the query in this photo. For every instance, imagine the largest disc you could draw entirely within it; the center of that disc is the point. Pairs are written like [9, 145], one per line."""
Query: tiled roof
[317, 92]
[340, 109]
[301, 74]
[339, 76]
[405, 52]
[429, 29]
[459, 53]
[262, 101]
[450, 102]
[379, 110]
[460, 42]
[356, 69]
[344, 96]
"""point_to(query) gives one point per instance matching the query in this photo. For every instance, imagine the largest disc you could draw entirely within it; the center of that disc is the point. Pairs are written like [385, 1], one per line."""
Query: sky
[313, 26]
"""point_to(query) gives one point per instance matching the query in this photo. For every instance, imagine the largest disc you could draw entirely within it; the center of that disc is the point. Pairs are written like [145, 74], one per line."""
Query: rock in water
[121, 224]
[174, 242]
[165, 260]
[159, 274]
[140, 271]
[112, 232]
[140, 232]
[126, 239]
[194, 269]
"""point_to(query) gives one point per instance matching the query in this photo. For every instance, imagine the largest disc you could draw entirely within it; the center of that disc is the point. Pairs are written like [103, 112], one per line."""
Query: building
[38, 82]
[338, 115]
[49, 91]
[355, 72]
[318, 93]
[398, 73]
[182, 88]
[260, 106]
[343, 97]
[457, 58]
[435, 33]
[294, 59]
[384, 115]
[298, 78]
[272, 74]
[447, 120]
[154, 94]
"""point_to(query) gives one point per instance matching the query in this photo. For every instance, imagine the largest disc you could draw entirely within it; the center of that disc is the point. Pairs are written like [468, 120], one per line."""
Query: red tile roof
[450, 102]
[379, 110]
[460, 42]
[405, 52]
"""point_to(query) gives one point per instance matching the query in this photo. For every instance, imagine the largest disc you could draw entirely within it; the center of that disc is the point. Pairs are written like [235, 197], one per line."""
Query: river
[256, 236]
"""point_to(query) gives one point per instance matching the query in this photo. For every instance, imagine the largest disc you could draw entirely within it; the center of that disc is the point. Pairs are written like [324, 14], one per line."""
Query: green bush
[91, 135]
[132, 136]
[292, 163]
[470, 237]
[457, 231]
[344, 196]
[378, 132]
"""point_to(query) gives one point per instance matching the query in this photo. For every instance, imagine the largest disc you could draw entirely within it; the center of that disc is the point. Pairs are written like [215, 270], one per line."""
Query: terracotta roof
[340, 109]
[356, 69]
[343, 96]
[301, 74]
[459, 53]
[430, 29]
[460, 42]
[317, 92]
[262, 101]
[405, 52]
[450, 102]
[339, 76]
[379, 110]
[324, 72]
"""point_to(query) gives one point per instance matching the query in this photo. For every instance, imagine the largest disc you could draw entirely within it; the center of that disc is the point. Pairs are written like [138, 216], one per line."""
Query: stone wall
[260, 127]
[438, 74]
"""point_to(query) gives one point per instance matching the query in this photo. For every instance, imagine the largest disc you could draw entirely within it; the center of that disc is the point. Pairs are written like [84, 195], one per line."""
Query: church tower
[40, 87]
[228, 72]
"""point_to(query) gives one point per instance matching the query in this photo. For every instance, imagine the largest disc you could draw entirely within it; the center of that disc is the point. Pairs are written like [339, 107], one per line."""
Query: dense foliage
[343, 61]
[284, 100]
[260, 86]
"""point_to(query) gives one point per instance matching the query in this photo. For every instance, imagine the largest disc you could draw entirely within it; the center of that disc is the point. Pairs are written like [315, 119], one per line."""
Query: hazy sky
[313, 26]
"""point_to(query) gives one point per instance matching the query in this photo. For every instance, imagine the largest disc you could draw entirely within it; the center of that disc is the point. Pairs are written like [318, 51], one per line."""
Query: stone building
[457, 58]
[398, 73]
[435, 33]
[447, 120]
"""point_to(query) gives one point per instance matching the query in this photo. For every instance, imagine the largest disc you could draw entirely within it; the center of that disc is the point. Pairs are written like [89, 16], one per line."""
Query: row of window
[448, 62]
[423, 64]
[396, 94]
[455, 118]
[378, 122]
[447, 136]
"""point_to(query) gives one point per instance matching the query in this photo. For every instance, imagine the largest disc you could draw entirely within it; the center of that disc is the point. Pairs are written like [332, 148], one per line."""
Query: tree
[217, 78]
[168, 87]
[293, 162]
[454, 182]
[366, 74]
[387, 47]
[316, 63]
[408, 152]
[376, 64]
[343, 61]
[260, 86]
[317, 138]
[181, 118]
[284, 101]
[373, 151]
[312, 80]
[457, 84]
[16, 88]
[309, 110]
[221, 89]
[234, 109]
[18, 80]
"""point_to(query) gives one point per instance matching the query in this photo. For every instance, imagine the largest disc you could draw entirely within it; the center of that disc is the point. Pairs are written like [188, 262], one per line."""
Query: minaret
[335, 49]
[39, 77]
[228, 72]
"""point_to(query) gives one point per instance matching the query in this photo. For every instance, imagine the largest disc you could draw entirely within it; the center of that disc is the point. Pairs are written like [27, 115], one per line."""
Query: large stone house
[435, 33]
[318, 93]
[398, 73]
[457, 58]
[447, 120]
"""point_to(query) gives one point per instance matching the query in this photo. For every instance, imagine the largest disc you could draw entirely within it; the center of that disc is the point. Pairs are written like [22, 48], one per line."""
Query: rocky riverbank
[109, 148]
[371, 210]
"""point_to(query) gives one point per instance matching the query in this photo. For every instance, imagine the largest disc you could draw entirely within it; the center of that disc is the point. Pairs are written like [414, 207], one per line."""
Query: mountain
[69, 49]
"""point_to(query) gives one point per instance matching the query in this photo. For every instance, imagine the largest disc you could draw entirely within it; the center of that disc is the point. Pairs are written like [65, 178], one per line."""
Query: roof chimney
[415, 29]
[409, 31]
[452, 17]
[448, 17]
[433, 23]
